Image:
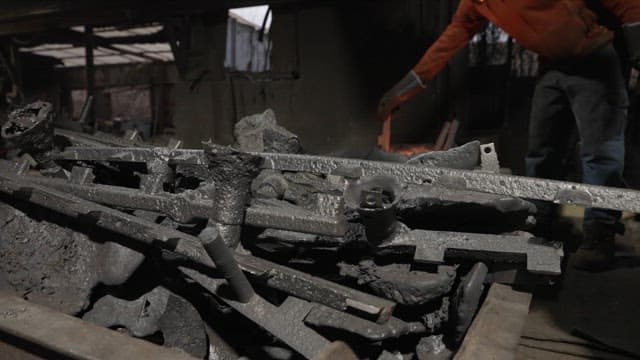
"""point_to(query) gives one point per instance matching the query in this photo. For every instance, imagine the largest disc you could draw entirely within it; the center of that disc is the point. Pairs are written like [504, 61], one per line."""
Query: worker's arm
[465, 24]
[628, 12]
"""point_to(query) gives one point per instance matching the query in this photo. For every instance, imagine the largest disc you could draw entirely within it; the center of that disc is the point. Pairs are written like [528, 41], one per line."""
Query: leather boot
[597, 250]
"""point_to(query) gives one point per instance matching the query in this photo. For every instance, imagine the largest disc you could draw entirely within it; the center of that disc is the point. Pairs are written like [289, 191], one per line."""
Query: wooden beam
[496, 330]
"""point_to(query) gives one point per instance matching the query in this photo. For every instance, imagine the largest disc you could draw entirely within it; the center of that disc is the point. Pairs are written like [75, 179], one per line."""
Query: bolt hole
[488, 150]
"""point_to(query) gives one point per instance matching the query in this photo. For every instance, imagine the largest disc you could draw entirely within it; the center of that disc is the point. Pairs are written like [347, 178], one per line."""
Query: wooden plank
[39, 327]
[495, 333]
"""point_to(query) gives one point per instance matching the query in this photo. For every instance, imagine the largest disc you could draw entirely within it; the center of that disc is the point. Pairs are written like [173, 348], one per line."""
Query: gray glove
[409, 86]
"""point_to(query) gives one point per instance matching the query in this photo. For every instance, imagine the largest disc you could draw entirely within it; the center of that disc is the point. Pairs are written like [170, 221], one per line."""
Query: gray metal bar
[295, 219]
[183, 209]
[223, 257]
[530, 188]
[541, 256]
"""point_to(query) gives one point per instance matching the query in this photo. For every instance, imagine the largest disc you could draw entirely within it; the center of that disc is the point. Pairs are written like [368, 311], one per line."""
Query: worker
[581, 80]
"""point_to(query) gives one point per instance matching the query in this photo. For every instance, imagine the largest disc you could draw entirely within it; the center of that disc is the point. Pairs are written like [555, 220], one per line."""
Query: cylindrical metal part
[376, 199]
[232, 173]
[29, 130]
[224, 260]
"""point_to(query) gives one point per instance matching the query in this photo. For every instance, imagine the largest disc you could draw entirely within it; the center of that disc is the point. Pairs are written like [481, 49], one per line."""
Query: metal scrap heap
[260, 251]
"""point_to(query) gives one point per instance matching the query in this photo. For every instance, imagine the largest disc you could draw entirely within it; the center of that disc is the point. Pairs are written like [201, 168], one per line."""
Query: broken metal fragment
[437, 320]
[269, 185]
[398, 283]
[433, 348]
[323, 317]
[261, 133]
[466, 157]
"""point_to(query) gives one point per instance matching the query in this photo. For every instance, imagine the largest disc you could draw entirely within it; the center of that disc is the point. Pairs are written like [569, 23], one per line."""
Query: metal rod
[224, 260]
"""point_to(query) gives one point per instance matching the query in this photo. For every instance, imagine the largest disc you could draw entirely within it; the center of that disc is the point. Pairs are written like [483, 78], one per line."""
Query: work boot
[598, 246]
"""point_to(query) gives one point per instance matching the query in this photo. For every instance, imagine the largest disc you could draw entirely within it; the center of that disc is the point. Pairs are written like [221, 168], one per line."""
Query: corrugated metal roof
[71, 55]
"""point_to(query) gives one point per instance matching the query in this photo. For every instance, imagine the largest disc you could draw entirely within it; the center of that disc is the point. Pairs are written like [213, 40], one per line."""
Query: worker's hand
[409, 86]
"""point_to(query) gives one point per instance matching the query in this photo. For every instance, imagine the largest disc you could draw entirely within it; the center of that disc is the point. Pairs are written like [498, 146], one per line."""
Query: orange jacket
[554, 29]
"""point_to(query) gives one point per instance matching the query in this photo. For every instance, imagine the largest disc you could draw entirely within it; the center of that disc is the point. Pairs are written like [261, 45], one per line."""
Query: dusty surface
[56, 266]
[398, 283]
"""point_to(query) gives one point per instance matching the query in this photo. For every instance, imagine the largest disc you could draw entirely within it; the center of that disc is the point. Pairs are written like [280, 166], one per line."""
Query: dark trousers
[590, 93]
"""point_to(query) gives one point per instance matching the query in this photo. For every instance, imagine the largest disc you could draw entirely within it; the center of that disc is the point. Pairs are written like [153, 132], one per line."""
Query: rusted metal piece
[57, 335]
[529, 188]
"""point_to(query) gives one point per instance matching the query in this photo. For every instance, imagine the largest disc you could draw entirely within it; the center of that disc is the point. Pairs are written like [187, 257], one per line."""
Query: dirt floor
[591, 315]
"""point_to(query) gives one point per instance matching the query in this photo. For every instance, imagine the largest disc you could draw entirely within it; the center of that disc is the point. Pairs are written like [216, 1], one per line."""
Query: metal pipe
[223, 257]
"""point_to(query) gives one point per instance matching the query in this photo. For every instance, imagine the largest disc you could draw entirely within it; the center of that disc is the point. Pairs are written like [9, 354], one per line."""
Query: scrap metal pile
[260, 251]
